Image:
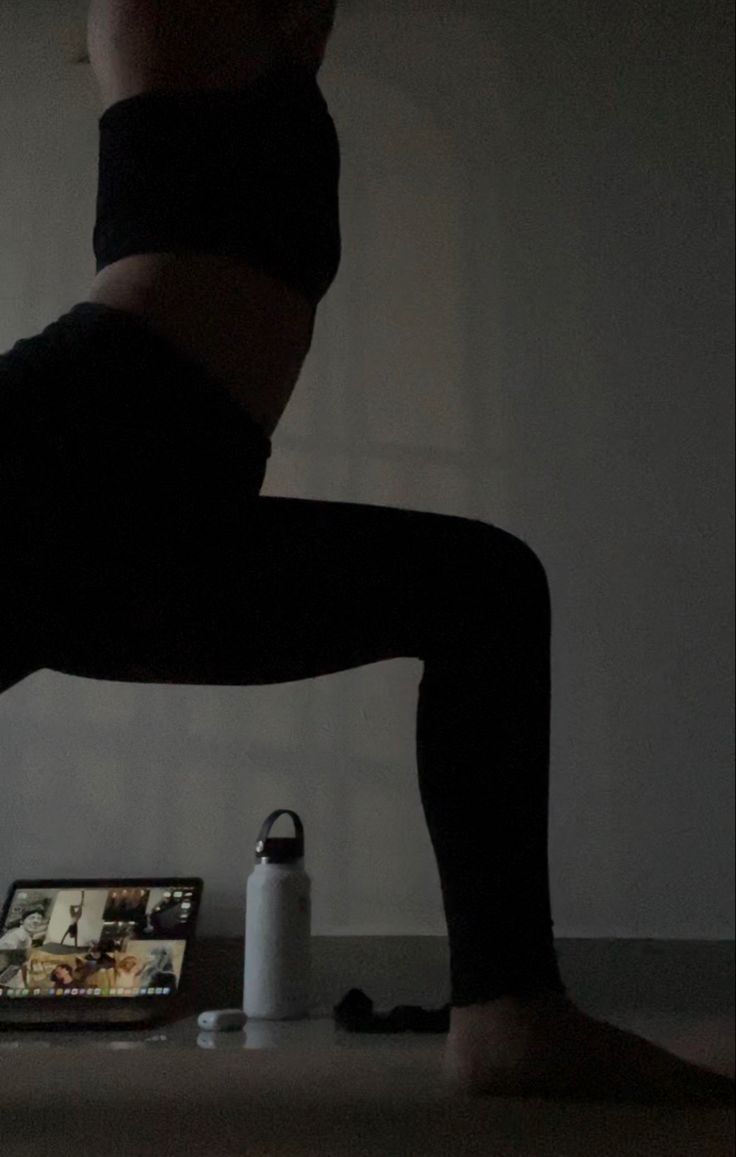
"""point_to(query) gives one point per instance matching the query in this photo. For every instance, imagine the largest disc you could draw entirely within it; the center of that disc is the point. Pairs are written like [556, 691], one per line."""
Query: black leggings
[143, 552]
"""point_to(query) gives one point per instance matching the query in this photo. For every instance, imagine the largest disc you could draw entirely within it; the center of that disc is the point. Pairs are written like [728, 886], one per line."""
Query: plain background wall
[532, 326]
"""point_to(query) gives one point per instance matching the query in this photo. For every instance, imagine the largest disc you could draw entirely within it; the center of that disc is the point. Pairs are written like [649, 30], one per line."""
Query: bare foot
[548, 1047]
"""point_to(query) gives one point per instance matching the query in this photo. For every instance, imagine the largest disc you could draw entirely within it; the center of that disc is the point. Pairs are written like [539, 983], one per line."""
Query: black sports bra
[252, 173]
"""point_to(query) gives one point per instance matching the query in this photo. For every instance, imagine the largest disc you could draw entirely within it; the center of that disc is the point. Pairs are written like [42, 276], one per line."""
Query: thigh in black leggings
[147, 554]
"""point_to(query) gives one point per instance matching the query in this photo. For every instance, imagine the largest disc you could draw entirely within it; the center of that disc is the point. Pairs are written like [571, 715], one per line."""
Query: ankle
[507, 1015]
[509, 1004]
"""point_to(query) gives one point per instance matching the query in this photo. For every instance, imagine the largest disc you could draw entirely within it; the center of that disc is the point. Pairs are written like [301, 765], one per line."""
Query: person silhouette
[75, 911]
[135, 433]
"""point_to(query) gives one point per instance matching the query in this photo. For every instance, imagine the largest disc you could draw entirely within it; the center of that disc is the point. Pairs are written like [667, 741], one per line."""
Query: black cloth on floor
[355, 1014]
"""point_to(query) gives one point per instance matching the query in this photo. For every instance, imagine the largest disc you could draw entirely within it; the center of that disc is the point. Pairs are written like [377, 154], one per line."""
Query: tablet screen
[94, 940]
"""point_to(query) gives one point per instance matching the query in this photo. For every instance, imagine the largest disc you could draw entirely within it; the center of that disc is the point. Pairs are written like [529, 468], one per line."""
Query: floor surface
[301, 1089]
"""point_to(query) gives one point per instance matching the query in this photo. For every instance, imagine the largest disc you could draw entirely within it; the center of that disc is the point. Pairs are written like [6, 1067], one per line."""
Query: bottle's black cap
[280, 849]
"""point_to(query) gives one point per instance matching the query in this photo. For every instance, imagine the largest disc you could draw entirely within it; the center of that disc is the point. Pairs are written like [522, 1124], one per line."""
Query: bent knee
[505, 556]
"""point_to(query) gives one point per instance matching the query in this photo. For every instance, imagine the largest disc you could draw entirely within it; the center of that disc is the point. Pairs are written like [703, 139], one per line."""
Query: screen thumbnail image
[123, 940]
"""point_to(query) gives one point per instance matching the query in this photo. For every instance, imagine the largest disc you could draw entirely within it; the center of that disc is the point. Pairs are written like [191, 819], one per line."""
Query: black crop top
[252, 173]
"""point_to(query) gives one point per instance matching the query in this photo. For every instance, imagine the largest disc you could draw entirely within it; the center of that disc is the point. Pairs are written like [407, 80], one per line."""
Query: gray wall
[531, 326]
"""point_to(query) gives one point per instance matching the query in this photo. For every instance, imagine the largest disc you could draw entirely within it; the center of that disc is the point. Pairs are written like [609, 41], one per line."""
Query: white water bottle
[277, 973]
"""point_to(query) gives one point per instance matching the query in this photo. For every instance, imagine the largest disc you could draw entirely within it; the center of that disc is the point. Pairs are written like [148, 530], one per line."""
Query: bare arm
[304, 28]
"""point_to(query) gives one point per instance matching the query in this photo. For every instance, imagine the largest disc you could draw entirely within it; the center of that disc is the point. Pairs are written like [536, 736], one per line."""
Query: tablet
[96, 952]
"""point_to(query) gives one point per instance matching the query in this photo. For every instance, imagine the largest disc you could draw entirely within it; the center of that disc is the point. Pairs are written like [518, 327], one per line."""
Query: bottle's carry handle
[280, 848]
